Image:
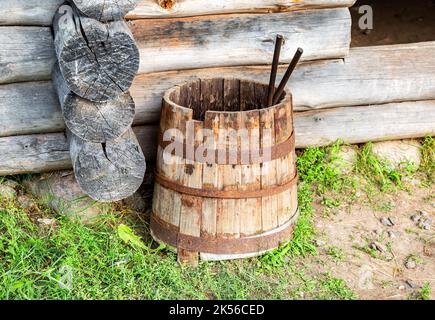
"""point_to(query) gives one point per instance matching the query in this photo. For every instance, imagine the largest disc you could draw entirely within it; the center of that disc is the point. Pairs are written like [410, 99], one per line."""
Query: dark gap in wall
[395, 22]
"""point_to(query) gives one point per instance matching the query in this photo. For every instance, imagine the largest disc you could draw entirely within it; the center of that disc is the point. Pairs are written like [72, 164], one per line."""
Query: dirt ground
[398, 21]
[346, 232]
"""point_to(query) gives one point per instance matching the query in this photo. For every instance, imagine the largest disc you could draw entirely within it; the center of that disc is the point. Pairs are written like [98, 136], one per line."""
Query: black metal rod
[287, 75]
[275, 63]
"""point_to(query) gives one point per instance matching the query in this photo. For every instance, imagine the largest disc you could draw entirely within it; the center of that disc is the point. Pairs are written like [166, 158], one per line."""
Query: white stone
[399, 152]
[7, 193]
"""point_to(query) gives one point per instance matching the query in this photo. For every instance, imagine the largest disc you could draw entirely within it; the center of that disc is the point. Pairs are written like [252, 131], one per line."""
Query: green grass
[109, 261]
[116, 259]
[379, 173]
[425, 292]
[428, 158]
[336, 253]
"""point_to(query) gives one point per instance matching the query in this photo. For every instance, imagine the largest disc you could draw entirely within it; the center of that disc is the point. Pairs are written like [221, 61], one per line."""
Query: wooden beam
[366, 123]
[372, 75]
[229, 40]
[29, 107]
[27, 54]
[28, 12]
[48, 152]
[189, 8]
[40, 13]
[173, 44]
[369, 75]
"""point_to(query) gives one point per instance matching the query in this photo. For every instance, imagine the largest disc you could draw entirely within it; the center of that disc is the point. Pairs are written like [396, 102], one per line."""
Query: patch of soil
[394, 22]
[351, 228]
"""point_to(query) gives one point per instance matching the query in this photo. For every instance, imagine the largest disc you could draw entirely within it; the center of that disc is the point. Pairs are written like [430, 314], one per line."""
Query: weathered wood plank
[28, 12]
[229, 40]
[188, 8]
[368, 123]
[191, 207]
[269, 204]
[171, 44]
[373, 75]
[29, 107]
[50, 152]
[26, 54]
[36, 12]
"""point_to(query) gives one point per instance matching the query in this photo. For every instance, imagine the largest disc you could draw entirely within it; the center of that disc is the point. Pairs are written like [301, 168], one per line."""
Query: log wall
[368, 76]
[166, 44]
[48, 152]
[361, 94]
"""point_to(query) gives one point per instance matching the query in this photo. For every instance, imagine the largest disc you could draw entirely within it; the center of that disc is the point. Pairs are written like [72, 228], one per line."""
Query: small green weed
[427, 165]
[376, 171]
[336, 253]
[425, 292]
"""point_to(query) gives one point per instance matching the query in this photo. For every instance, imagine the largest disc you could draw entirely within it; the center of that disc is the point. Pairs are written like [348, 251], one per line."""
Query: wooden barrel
[226, 179]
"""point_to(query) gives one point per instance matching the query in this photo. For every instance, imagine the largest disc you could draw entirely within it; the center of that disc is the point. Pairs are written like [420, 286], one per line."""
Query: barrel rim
[288, 98]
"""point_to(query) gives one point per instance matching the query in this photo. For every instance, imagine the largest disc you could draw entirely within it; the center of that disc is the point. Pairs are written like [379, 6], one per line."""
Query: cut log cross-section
[105, 10]
[97, 60]
[97, 122]
[109, 171]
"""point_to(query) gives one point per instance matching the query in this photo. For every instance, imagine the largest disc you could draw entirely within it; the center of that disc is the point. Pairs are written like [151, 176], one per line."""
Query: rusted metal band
[224, 194]
[244, 156]
[170, 235]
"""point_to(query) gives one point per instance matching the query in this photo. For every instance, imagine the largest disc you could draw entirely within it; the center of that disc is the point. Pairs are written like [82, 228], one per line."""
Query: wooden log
[109, 171]
[166, 44]
[369, 75]
[188, 8]
[28, 12]
[105, 10]
[40, 13]
[199, 42]
[372, 75]
[98, 61]
[26, 54]
[368, 123]
[50, 152]
[97, 122]
[29, 107]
